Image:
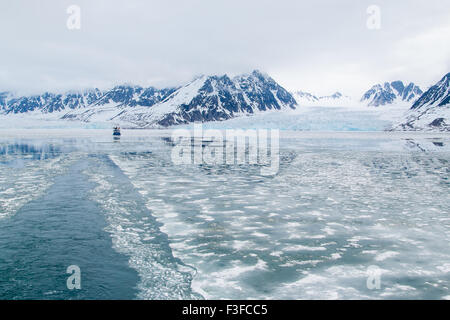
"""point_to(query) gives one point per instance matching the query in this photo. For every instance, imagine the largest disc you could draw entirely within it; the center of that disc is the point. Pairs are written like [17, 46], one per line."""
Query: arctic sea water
[140, 227]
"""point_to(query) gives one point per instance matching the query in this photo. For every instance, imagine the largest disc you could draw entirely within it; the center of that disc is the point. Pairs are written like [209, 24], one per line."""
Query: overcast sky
[316, 46]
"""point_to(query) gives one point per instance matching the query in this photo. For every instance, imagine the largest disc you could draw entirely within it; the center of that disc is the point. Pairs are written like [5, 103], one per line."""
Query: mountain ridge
[308, 99]
[206, 98]
[391, 93]
[431, 111]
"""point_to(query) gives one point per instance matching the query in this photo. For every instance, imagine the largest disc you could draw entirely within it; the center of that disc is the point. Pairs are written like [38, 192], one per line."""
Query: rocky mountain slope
[207, 98]
[431, 111]
[391, 93]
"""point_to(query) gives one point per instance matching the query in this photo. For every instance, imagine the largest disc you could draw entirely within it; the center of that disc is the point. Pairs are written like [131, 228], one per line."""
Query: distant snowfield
[38, 120]
[304, 118]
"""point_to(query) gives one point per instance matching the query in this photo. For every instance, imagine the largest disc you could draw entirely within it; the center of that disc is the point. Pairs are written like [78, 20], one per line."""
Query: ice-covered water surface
[340, 205]
[27, 169]
[136, 234]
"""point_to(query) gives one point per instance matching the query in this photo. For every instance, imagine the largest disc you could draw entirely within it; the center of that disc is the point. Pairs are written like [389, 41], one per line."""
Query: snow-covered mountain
[309, 99]
[336, 99]
[305, 98]
[214, 98]
[391, 93]
[51, 102]
[132, 96]
[432, 110]
[4, 96]
[207, 98]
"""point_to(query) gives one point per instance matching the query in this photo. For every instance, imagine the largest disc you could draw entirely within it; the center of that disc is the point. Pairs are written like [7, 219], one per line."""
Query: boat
[116, 131]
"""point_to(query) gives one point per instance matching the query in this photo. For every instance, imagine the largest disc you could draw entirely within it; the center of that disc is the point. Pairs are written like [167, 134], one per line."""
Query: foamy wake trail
[20, 185]
[136, 234]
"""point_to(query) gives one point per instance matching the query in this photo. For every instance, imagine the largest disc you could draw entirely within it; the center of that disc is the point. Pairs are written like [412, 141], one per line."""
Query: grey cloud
[320, 46]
